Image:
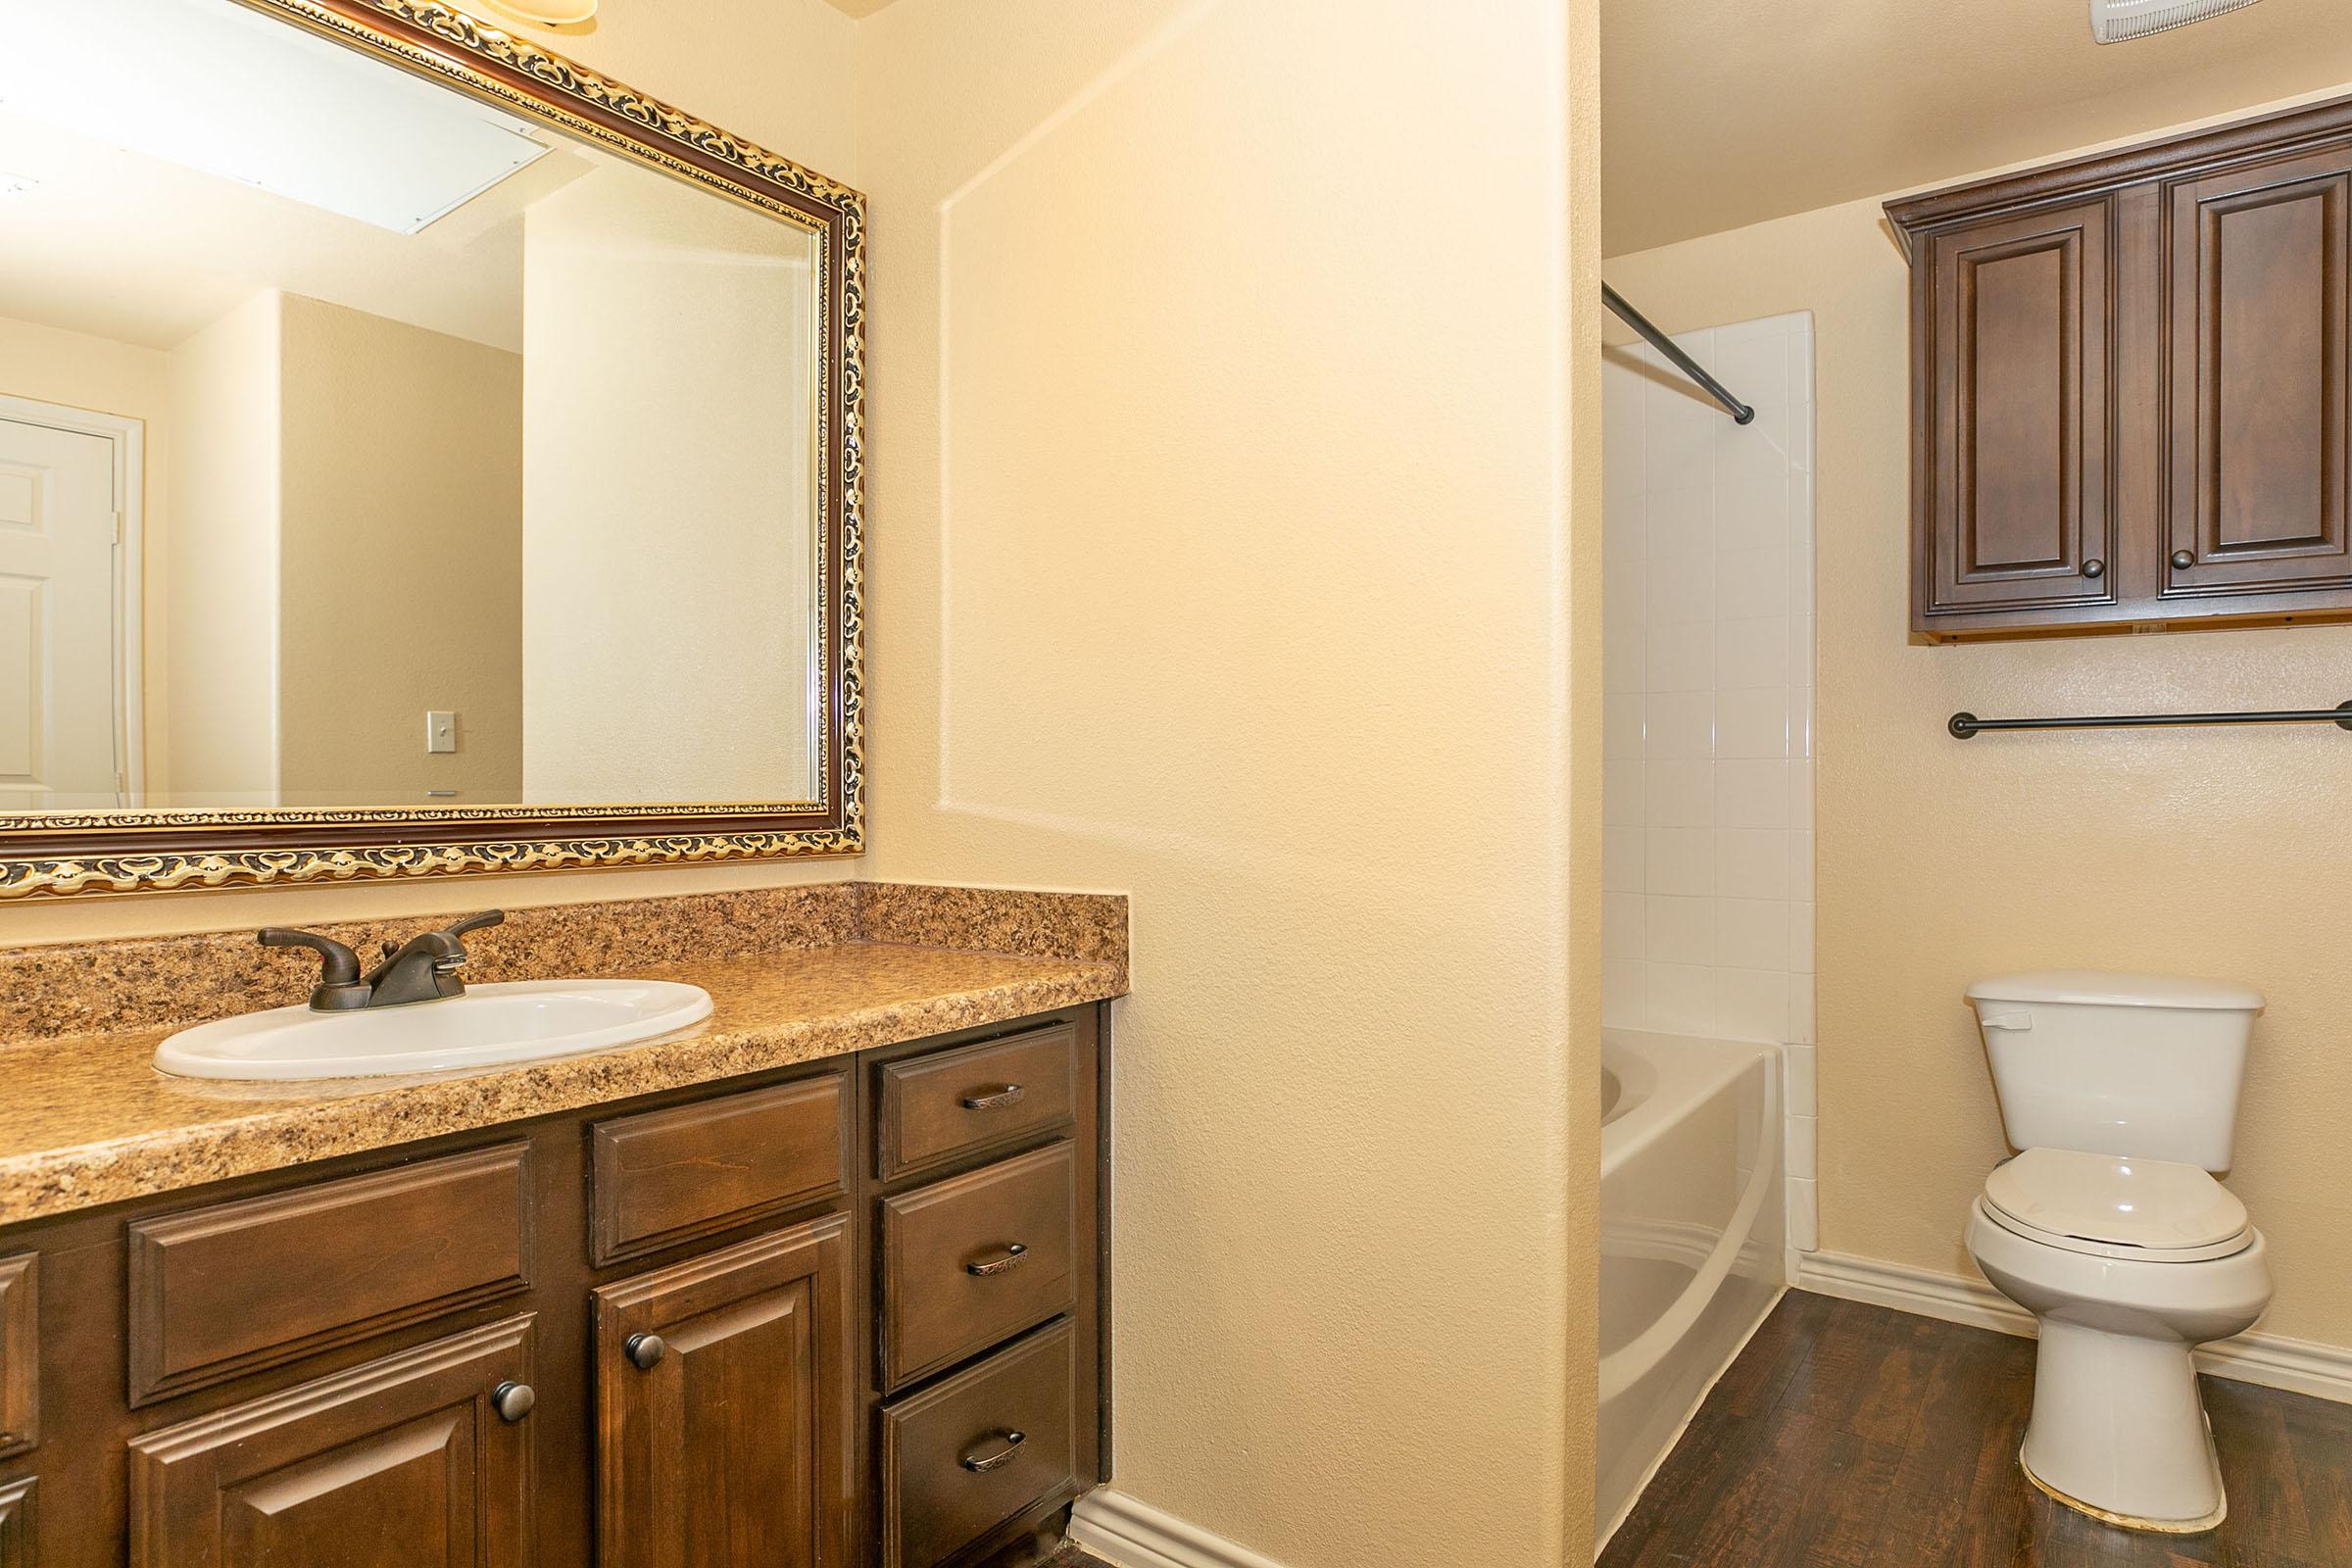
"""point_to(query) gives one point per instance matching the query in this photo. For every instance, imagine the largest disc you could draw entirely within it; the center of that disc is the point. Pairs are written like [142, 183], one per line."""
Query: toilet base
[2119, 1432]
[2125, 1521]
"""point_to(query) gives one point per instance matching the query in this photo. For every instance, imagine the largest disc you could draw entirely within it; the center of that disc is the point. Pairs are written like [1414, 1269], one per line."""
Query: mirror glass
[366, 444]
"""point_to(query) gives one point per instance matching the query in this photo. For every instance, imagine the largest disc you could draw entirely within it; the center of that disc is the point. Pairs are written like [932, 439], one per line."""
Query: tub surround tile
[1750, 933]
[1709, 556]
[1681, 997]
[1798, 1070]
[1751, 863]
[1804, 1215]
[1800, 1009]
[1799, 1146]
[1624, 993]
[1623, 933]
[1801, 939]
[1681, 931]
[1751, 1004]
[87, 1120]
[1624, 860]
[1681, 862]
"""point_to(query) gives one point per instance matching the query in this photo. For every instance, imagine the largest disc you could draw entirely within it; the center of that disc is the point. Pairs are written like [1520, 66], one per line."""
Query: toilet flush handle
[2008, 1020]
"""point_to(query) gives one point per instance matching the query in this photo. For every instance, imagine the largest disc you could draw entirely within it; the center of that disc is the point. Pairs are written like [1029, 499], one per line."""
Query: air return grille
[2116, 20]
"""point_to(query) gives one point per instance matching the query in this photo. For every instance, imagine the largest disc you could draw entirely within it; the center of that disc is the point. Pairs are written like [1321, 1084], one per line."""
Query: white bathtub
[1691, 1238]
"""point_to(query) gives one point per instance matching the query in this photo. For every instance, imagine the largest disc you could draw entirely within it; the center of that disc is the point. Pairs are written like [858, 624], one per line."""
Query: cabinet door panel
[396, 1464]
[2259, 345]
[732, 1445]
[2021, 415]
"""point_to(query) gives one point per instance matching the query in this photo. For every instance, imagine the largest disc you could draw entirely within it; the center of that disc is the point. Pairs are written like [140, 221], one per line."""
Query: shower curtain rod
[1739, 412]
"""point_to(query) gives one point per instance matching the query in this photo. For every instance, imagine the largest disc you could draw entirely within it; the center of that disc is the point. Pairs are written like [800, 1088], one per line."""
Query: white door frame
[128, 437]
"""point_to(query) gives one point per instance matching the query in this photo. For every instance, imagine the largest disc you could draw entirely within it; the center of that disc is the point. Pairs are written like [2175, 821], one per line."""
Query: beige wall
[1220, 352]
[80, 371]
[224, 566]
[400, 561]
[2193, 852]
[668, 535]
[778, 72]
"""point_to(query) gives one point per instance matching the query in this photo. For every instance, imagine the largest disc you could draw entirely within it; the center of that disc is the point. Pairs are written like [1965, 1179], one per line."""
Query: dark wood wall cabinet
[845, 1315]
[2131, 388]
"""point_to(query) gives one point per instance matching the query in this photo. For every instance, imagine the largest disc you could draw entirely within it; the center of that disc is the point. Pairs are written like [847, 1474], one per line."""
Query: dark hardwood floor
[1852, 1437]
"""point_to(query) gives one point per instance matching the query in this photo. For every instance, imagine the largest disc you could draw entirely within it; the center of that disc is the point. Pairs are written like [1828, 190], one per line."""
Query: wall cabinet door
[2259, 349]
[723, 1407]
[2017, 408]
[2132, 387]
[403, 1462]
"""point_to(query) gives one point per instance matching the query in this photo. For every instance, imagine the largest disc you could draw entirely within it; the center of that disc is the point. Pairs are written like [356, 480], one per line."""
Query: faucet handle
[339, 986]
[475, 922]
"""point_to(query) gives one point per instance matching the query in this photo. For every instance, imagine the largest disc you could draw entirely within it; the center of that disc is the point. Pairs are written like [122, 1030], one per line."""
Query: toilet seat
[2105, 1205]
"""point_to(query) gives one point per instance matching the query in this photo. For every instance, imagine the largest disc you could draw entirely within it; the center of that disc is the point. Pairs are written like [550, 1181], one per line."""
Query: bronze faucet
[424, 968]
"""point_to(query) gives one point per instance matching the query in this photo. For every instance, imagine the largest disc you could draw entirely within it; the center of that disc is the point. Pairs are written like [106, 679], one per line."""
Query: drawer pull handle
[1010, 1259]
[1009, 1095]
[644, 1350]
[981, 1464]
[512, 1401]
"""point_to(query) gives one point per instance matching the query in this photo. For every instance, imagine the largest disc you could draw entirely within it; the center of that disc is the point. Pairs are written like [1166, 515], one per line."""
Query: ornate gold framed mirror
[419, 455]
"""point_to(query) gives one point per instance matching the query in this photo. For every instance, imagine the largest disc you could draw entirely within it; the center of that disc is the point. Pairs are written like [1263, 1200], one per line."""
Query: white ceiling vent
[2117, 20]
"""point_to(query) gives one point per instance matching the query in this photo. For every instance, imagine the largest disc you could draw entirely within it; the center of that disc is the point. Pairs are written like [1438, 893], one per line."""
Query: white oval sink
[520, 1020]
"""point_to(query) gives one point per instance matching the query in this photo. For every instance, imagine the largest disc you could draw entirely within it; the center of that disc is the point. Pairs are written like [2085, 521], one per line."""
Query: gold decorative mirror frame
[140, 850]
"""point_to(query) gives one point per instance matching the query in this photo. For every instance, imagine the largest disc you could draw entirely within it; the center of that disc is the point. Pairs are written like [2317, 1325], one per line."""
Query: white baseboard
[1129, 1533]
[2300, 1366]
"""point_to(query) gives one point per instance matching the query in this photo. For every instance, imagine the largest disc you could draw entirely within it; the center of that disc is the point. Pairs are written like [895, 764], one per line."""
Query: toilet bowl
[2121, 1091]
[2118, 1429]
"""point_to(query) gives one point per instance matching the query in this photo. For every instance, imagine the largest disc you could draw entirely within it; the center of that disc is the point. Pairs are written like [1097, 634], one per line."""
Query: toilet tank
[2118, 1063]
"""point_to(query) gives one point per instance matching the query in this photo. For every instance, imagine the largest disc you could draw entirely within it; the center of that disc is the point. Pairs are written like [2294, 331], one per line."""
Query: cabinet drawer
[667, 1176]
[960, 1459]
[972, 1261]
[937, 1106]
[222, 1290]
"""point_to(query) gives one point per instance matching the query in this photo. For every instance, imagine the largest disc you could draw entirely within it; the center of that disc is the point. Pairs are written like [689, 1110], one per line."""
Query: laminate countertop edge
[88, 1122]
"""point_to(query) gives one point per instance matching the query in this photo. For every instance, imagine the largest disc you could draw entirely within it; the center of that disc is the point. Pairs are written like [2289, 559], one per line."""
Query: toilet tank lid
[2091, 988]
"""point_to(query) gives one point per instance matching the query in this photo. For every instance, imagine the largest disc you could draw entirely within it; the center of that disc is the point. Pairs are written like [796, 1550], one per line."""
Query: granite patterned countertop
[87, 1119]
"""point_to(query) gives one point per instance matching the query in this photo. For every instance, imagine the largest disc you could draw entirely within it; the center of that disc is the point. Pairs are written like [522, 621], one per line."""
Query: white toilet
[2121, 1091]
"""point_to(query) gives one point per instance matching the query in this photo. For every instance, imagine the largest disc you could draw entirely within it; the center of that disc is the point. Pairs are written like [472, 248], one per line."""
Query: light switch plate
[441, 729]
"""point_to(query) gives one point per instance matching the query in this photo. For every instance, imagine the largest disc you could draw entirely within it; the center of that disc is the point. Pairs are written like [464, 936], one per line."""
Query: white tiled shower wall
[1707, 796]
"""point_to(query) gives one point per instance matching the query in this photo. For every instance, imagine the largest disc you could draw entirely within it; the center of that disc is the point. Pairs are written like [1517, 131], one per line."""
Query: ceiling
[1716, 113]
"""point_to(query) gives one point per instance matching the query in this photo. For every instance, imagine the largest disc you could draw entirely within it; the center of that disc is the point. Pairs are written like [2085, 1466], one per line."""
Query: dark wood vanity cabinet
[2131, 388]
[846, 1315]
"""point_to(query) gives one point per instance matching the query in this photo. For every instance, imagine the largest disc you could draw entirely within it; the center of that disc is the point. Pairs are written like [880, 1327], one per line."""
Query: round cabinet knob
[2094, 568]
[2183, 560]
[512, 1401]
[644, 1350]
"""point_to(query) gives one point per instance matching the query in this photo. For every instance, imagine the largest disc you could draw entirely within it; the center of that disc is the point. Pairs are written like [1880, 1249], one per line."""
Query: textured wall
[1220, 396]
[2191, 851]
